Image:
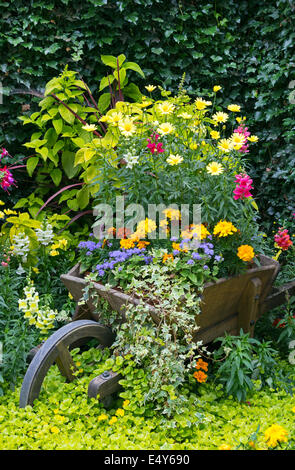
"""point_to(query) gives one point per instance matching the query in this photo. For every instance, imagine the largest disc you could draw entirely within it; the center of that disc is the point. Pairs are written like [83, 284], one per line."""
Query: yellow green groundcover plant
[64, 418]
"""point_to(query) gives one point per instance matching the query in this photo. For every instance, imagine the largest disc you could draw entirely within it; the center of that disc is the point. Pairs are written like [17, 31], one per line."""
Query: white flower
[45, 236]
[130, 159]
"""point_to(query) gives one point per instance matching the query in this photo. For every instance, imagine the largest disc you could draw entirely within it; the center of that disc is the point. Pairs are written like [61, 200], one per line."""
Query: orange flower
[126, 243]
[202, 365]
[167, 256]
[142, 244]
[123, 232]
[245, 252]
[200, 376]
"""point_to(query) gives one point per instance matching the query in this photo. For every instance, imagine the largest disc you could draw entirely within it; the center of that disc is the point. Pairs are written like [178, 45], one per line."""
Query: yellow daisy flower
[225, 145]
[202, 104]
[89, 127]
[215, 135]
[166, 107]
[252, 138]
[234, 108]
[174, 159]
[127, 127]
[165, 128]
[214, 168]
[220, 117]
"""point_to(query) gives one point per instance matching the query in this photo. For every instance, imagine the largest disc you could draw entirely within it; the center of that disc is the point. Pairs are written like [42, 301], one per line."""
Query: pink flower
[4, 153]
[282, 238]
[244, 184]
[243, 130]
[4, 264]
[155, 146]
[6, 178]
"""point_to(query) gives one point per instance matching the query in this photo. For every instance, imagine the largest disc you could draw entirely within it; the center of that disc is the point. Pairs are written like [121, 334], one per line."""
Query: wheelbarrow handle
[278, 296]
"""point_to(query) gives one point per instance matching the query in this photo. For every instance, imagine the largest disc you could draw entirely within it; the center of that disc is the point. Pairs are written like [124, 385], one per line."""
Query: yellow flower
[185, 115]
[115, 118]
[142, 244]
[234, 107]
[54, 253]
[216, 88]
[224, 447]
[174, 159]
[150, 88]
[102, 417]
[113, 420]
[166, 107]
[193, 146]
[89, 127]
[9, 212]
[224, 228]
[126, 403]
[275, 434]
[220, 117]
[146, 226]
[293, 409]
[54, 430]
[225, 145]
[127, 127]
[202, 104]
[126, 243]
[2, 215]
[215, 135]
[252, 138]
[237, 140]
[214, 168]
[2, 203]
[36, 270]
[245, 252]
[120, 412]
[165, 128]
[172, 214]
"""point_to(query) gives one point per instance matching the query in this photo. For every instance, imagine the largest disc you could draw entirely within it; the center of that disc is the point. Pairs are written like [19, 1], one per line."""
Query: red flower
[282, 239]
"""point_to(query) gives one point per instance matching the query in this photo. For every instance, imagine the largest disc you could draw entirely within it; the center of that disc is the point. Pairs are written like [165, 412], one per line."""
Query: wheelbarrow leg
[249, 306]
[104, 385]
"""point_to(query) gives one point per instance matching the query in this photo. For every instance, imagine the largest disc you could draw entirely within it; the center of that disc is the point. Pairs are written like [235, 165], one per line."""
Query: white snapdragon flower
[45, 236]
[21, 246]
[131, 159]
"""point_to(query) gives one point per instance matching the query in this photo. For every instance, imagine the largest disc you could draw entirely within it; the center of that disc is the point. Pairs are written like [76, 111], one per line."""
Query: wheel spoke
[65, 362]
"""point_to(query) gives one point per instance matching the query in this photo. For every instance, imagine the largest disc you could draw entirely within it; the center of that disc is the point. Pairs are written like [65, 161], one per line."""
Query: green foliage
[64, 418]
[250, 56]
[245, 360]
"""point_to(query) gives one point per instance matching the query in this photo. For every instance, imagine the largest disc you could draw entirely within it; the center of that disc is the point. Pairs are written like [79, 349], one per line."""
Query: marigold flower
[246, 253]
[224, 228]
[275, 434]
[142, 244]
[202, 365]
[126, 243]
[167, 257]
[200, 376]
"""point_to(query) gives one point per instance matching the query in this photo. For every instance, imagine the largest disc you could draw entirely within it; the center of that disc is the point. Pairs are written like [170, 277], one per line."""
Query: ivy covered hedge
[246, 47]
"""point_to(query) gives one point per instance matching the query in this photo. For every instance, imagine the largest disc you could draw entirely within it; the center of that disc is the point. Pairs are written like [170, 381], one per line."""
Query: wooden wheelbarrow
[227, 306]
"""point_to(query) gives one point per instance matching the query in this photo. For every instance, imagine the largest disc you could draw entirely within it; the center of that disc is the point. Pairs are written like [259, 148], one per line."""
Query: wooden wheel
[56, 350]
